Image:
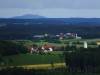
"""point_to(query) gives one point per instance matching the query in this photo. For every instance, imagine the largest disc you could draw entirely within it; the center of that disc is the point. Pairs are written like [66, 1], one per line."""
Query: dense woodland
[83, 60]
[25, 29]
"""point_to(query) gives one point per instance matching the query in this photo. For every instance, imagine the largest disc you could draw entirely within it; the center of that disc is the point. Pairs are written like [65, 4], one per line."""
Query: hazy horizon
[51, 8]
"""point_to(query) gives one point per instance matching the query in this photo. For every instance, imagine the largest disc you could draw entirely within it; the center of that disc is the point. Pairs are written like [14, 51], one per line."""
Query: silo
[85, 44]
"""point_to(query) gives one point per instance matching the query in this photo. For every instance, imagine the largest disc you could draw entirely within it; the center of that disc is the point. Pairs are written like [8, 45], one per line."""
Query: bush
[83, 60]
[11, 48]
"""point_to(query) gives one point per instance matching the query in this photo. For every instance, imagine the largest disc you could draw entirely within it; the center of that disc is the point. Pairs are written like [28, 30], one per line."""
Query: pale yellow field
[40, 66]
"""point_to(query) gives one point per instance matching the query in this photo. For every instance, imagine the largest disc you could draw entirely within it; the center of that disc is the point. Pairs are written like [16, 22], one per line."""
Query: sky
[51, 8]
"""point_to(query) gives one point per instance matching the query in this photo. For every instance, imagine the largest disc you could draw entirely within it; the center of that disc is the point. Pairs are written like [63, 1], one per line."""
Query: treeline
[22, 71]
[59, 71]
[83, 60]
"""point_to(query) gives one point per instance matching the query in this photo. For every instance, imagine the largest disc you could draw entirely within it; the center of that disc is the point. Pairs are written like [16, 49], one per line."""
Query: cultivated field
[36, 61]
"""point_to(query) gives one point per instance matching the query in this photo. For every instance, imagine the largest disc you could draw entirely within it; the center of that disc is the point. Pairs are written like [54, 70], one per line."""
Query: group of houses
[43, 49]
[58, 36]
[46, 48]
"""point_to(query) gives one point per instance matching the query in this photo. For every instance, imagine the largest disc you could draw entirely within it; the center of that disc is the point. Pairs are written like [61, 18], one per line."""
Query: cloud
[51, 8]
[43, 4]
[52, 13]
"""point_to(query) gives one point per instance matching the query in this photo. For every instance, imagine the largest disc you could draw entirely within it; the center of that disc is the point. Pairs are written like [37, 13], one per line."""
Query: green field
[32, 59]
[65, 42]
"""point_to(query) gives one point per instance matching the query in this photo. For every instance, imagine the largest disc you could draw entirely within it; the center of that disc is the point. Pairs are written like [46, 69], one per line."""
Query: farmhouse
[34, 49]
[72, 35]
[38, 36]
[44, 48]
[47, 48]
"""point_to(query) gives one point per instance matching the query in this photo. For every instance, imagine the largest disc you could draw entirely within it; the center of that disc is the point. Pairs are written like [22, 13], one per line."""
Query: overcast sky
[50, 8]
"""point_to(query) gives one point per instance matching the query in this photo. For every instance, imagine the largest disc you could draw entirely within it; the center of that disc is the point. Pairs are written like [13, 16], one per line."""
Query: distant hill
[28, 16]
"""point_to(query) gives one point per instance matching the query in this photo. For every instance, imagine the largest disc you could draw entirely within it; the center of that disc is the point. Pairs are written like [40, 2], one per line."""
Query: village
[65, 41]
[58, 36]
[46, 48]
